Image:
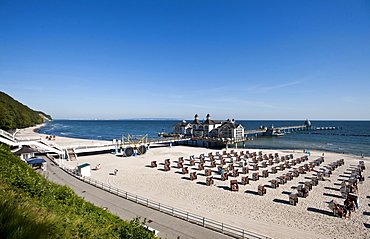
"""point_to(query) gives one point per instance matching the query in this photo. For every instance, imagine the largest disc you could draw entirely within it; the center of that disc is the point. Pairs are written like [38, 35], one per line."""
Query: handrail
[51, 144]
[223, 228]
[7, 135]
[90, 146]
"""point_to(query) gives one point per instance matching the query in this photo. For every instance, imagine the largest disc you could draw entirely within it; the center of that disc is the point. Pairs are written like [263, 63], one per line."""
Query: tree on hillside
[14, 114]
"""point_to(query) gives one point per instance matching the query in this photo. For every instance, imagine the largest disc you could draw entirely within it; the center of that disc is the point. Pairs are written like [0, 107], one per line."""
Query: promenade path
[168, 226]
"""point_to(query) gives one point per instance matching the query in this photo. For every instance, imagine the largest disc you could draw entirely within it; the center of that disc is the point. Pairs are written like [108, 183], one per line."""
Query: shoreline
[38, 127]
[268, 214]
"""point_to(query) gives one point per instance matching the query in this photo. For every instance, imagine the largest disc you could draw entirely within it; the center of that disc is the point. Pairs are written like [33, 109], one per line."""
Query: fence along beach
[270, 214]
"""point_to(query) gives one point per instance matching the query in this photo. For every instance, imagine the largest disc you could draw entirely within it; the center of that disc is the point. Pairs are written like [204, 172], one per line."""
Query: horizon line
[138, 119]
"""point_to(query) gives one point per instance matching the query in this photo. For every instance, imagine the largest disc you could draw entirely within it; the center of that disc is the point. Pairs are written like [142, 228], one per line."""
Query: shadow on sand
[328, 213]
[366, 213]
[332, 195]
[281, 201]
[224, 187]
[334, 189]
[251, 192]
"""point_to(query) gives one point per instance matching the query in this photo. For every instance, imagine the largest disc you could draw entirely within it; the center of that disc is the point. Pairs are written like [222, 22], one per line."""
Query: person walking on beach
[115, 171]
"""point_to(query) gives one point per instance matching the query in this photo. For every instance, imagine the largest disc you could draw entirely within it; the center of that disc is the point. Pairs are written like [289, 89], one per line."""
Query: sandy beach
[270, 214]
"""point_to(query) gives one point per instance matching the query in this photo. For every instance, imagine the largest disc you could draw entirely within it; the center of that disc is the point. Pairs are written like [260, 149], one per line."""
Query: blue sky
[173, 59]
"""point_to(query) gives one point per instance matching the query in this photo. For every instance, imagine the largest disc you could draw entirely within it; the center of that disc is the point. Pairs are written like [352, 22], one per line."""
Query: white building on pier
[210, 128]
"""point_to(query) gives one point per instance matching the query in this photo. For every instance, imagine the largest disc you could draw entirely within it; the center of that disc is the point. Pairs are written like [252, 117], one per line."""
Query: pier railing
[214, 225]
[6, 134]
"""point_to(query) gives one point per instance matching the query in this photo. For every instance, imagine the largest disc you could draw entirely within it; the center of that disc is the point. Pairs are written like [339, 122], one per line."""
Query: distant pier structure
[272, 131]
[209, 128]
[224, 133]
[308, 124]
[210, 133]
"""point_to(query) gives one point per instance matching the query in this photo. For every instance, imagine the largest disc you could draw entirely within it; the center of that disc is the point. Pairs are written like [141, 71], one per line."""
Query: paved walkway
[168, 226]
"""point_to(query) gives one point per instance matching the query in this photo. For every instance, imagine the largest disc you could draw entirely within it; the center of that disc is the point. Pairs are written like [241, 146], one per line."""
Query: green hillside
[14, 114]
[33, 207]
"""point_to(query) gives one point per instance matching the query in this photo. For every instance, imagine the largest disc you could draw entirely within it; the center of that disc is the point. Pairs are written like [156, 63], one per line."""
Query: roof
[196, 121]
[231, 124]
[210, 122]
[25, 150]
[35, 160]
[83, 165]
[222, 123]
[183, 123]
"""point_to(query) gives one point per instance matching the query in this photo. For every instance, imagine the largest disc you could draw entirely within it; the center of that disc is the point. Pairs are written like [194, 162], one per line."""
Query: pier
[131, 147]
[232, 142]
[271, 131]
[248, 135]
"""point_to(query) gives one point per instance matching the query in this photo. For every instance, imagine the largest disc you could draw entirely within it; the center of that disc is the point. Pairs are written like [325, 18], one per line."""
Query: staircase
[71, 154]
[41, 144]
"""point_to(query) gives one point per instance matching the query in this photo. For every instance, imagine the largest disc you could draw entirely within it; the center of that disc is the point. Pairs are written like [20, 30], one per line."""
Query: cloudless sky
[172, 59]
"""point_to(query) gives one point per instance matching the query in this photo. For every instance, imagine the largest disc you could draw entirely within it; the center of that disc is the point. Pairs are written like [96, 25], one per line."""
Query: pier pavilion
[210, 128]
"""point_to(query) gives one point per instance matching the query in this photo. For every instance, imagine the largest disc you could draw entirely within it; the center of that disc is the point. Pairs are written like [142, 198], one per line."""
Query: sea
[350, 137]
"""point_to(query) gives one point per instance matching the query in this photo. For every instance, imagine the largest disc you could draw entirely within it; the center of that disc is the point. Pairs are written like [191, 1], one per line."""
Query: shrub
[29, 203]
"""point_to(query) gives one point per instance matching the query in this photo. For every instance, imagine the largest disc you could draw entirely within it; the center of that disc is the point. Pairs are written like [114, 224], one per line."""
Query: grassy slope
[32, 207]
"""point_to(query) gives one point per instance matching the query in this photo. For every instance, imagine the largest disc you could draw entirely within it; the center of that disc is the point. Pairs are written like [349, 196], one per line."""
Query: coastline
[37, 127]
[269, 214]
[92, 129]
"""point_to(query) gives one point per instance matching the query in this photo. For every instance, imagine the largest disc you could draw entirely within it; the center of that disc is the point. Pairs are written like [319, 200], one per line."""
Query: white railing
[223, 228]
[7, 135]
[96, 146]
[50, 144]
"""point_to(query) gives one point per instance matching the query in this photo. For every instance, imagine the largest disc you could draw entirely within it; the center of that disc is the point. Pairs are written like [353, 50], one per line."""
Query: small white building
[84, 169]
[25, 152]
[210, 128]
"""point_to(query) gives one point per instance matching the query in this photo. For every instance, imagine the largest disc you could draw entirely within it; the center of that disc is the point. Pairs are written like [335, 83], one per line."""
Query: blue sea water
[351, 136]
